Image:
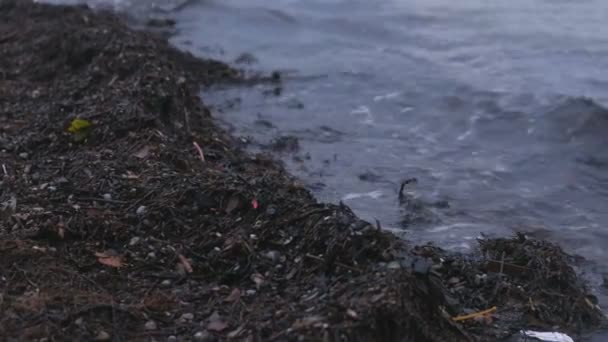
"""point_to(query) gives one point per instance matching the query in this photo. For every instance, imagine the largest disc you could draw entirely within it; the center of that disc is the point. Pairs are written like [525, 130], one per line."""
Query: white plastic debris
[550, 336]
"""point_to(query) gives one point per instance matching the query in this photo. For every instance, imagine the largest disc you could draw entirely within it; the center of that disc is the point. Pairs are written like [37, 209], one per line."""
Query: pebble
[166, 283]
[134, 240]
[201, 336]
[271, 211]
[272, 255]
[150, 325]
[171, 339]
[393, 265]
[188, 316]
[480, 279]
[107, 197]
[102, 336]
[151, 255]
[79, 321]
[23, 155]
[141, 210]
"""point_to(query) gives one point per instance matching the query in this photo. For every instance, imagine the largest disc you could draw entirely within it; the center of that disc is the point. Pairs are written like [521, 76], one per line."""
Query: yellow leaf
[78, 125]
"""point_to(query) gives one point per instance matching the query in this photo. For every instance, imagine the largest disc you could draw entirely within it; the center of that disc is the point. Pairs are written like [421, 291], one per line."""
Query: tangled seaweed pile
[154, 226]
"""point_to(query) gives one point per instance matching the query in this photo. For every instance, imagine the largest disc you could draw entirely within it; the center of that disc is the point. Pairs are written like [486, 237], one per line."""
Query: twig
[25, 276]
[136, 203]
[187, 121]
[80, 275]
[403, 184]
[111, 307]
[474, 315]
[4, 169]
[200, 150]
[337, 263]
[101, 200]
[116, 337]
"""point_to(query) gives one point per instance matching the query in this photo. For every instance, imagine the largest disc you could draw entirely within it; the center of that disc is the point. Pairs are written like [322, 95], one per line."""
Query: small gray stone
[272, 255]
[171, 339]
[150, 325]
[107, 197]
[166, 283]
[23, 155]
[102, 336]
[79, 321]
[393, 265]
[134, 240]
[188, 316]
[202, 336]
[141, 210]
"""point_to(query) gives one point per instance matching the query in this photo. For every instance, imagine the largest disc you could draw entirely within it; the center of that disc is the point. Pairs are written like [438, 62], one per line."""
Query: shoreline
[127, 230]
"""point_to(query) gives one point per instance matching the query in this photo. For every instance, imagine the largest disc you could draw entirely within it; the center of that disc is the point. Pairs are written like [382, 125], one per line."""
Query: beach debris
[109, 259]
[199, 150]
[185, 263]
[551, 336]
[474, 315]
[143, 152]
[80, 129]
[216, 323]
[234, 296]
[258, 279]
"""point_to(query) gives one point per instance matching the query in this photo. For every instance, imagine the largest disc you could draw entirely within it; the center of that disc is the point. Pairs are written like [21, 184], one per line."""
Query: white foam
[465, 135]
[354, 195]
[364, 110]
[447, 227]
[386, 96]
[361, 110]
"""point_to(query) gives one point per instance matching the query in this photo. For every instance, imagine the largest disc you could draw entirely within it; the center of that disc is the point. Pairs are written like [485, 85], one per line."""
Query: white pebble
[141, 210]
[393, 265]
[188, 316]
[102, 336]
[107, 197]
[150, 325]
[201, 336]
[134, 240]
